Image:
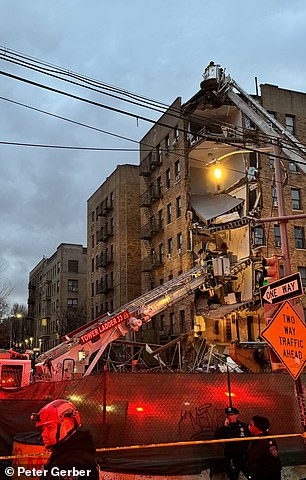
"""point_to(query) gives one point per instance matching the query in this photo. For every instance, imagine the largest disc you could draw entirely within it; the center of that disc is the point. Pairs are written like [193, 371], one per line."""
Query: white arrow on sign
[281, 290]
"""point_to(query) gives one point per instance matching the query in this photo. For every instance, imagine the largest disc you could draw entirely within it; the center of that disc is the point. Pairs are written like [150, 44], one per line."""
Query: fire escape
[105, 258]
[153, 225]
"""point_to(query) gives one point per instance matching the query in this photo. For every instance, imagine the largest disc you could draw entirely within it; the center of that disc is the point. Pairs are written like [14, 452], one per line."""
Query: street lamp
[26, 329]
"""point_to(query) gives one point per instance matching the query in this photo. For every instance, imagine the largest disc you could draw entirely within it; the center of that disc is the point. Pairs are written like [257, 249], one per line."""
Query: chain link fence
[122, 409]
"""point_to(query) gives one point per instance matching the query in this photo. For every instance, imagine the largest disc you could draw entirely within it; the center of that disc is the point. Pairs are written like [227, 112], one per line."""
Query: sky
[155, 48]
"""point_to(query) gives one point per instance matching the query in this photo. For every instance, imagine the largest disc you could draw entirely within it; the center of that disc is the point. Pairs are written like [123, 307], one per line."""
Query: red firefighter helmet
[55, 412]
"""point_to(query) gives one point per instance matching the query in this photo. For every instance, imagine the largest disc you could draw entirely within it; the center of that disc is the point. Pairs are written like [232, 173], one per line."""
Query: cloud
[155, 48]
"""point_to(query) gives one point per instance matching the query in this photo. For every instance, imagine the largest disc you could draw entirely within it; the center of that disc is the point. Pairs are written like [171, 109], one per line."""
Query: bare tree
[6, 289]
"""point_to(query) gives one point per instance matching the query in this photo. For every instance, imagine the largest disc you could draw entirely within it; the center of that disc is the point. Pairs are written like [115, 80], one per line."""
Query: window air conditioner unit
[169, 256]
[177, 177]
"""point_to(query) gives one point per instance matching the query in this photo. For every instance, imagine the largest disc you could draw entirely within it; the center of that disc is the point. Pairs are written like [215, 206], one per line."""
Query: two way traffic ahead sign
[281, 290]
[286, 335]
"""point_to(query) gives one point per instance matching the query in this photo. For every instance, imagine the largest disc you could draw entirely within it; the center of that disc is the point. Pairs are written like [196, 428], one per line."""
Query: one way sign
[281, 290]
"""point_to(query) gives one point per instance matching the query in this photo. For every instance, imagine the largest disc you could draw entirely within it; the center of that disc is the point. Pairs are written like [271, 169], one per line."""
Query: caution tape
[169, 444]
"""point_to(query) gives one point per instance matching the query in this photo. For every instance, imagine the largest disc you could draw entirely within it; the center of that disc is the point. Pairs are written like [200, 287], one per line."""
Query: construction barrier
[28, 452]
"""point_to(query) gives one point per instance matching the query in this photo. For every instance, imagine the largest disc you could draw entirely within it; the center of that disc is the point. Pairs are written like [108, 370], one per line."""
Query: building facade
[189, 216]
[113, 224]
[57, 295]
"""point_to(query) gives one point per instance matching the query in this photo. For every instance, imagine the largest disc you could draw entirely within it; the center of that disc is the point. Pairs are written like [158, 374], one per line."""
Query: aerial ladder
[74, 354]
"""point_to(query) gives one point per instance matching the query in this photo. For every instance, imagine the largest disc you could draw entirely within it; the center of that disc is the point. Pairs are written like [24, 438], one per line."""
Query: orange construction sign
[286, 335]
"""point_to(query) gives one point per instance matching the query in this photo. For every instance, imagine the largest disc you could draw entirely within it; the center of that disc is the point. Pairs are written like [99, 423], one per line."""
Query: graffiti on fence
[200, 422]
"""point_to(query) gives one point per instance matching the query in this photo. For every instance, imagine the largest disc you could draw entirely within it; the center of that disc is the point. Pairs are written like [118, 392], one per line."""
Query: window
[299, 237]
[169, 213]
[182, 320]
[178, 207]
[72, 303]
[176, 132]
[271, 162]
[159, 187]
[216, 327]
[302, 271]
[73, 266]
[171, 323]
[289, 123]
[259, 236]
[170, 247]
[159, 153]
[93, 216]
[167, 142]
[274, 197]
[160, 219]
[73, 286]
[292, 167]
[162, 322]
[189, 241]
[272, 114]
[92, 264]
[92, 289]
[277, 236]
[228, 329]
[161, 252]
[177, 171]
[168, 178]
[295, 199]
[179, 242]
[92, 241]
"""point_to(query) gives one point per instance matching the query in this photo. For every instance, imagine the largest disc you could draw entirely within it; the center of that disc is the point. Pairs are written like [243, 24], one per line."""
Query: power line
[69, 147]
[130, 114]
[10, 56]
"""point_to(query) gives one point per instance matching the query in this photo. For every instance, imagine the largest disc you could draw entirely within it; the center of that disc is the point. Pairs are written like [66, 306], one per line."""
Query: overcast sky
[155, 48]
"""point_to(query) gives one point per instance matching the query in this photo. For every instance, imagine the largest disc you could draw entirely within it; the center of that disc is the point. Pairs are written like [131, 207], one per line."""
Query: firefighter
[234, 452]
[72, 450]
[263, 459]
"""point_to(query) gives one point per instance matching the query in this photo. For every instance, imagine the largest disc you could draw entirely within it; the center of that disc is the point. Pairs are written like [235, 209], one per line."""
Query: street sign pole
[286, 255]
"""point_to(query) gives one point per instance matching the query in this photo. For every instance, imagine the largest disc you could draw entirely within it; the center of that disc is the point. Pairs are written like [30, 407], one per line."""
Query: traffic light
[270, 270]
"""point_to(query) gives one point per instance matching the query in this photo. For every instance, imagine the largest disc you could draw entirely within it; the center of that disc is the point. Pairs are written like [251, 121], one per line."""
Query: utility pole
[287, 264]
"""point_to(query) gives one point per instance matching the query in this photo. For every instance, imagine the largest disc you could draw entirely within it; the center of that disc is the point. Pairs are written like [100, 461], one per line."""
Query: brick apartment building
[113, 223]
[189, 217]
[57, 294]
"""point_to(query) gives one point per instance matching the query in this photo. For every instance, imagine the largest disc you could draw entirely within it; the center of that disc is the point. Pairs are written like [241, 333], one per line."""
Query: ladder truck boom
[73, 354]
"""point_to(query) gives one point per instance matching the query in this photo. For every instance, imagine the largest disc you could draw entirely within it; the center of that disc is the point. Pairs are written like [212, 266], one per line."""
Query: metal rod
[229, 386]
